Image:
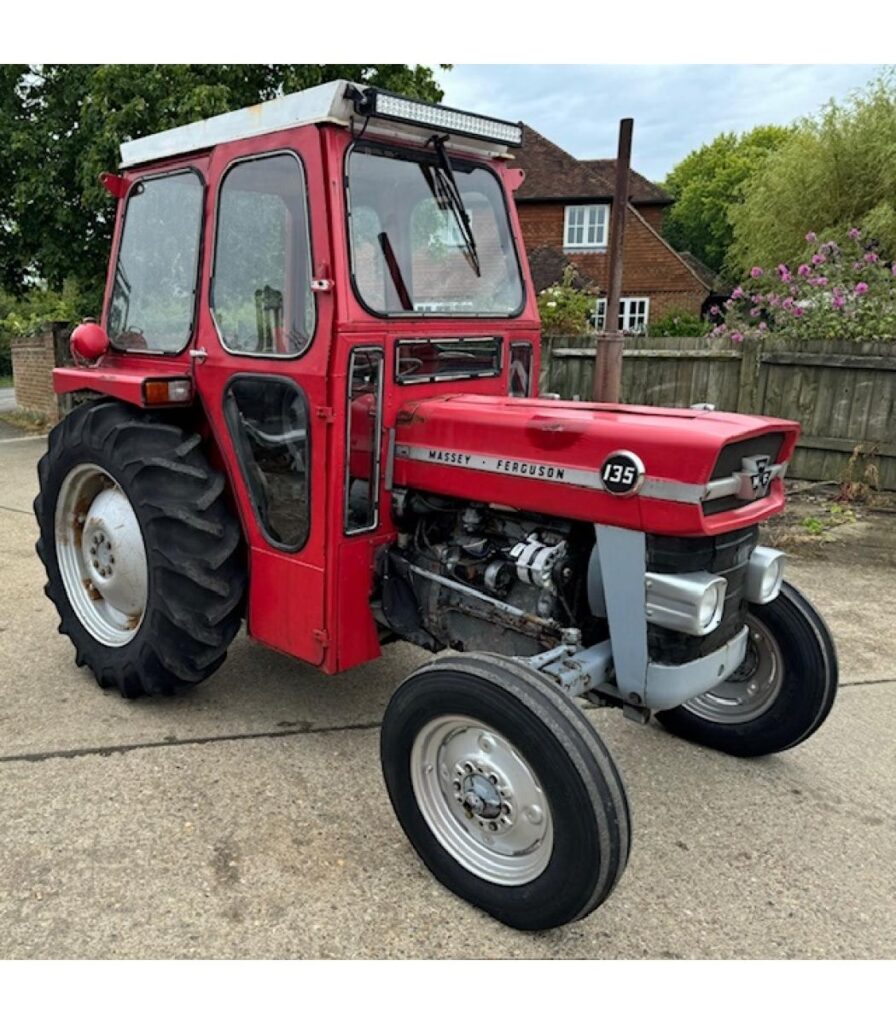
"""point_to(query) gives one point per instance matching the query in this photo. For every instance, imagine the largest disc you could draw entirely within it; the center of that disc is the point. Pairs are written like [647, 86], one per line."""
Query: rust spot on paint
[408, 416]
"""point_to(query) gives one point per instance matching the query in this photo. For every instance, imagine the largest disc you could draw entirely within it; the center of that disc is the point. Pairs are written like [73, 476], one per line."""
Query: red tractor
[311, 403]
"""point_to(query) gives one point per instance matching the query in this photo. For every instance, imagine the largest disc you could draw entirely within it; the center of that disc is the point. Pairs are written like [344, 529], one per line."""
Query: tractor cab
[301, 270]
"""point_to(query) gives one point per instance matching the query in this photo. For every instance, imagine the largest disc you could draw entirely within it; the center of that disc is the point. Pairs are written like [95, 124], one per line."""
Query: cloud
[676, 107]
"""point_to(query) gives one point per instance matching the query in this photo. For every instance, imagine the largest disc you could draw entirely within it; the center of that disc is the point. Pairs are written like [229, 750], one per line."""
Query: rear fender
[126, 385]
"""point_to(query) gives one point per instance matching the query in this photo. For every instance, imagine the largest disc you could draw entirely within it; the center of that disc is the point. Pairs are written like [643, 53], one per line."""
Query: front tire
[781, 695]
[505, 790]
[142, 554]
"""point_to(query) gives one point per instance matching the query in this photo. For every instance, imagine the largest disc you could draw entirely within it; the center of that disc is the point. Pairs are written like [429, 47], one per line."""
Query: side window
[261, 295]
[154, 292]
[362, 469]
[520, 383]
[268, 421]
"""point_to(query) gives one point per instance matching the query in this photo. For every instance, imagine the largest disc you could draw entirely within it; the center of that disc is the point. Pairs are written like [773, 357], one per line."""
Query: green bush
[28, 313]
[565, 309]
[678, 323]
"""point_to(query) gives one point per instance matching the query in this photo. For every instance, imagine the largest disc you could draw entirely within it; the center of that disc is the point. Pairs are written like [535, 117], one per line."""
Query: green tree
[11, 117]
[67, 121]
[836, 172]
[709, 183]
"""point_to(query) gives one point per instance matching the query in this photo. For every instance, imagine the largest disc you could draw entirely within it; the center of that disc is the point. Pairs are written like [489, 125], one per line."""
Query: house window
[585, 227]
[634, 315]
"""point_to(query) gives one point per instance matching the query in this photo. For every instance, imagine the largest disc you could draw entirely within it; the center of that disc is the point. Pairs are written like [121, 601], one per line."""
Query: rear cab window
[153, 301]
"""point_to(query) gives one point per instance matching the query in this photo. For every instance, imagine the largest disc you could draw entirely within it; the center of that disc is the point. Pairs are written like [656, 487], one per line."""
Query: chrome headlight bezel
[691, 603]
[765, 574]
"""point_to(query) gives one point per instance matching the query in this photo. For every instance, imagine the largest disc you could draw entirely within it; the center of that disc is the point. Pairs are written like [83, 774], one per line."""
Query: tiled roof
[552, 173]
[641, 190]
[547, 264]
[713, 281]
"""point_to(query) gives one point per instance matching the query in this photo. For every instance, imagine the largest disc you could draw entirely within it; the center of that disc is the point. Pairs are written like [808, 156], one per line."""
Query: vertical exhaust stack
[608, 357]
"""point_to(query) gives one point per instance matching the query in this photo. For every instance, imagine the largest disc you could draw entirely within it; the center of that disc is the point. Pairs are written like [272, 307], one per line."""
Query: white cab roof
[321, 104]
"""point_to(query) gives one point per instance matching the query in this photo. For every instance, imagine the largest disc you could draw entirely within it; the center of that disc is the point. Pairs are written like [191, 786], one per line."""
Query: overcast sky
[676, 107]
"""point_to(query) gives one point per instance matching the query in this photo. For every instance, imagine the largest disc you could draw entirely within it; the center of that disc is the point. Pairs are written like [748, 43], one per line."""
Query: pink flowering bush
[836, 289]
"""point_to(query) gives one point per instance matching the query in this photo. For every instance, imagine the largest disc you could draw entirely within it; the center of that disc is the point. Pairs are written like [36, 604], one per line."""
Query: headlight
[765, 574]
[711, 605]
[690, 602]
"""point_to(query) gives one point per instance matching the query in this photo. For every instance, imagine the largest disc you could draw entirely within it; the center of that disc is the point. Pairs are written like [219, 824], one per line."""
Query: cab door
[261, 374]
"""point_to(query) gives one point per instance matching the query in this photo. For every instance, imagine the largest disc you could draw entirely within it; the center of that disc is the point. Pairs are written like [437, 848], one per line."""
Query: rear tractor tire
[781, 694]
[505, 790]
[143, 556]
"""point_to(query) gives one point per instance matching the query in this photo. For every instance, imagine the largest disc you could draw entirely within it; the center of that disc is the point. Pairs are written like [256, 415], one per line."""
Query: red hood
[529, 437]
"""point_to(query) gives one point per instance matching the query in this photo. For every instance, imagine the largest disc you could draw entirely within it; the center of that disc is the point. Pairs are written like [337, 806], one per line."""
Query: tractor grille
[724, 555]
[730, 461]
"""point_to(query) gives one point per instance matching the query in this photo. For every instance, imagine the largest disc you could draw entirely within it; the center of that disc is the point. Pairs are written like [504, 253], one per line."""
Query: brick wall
[654, 215]
[33, 360]
[650, 267]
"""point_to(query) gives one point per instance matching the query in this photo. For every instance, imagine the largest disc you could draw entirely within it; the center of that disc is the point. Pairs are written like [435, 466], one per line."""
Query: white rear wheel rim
[101, 555]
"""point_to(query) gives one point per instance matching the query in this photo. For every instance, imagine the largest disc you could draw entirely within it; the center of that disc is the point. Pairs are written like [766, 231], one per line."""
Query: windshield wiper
[401, 289]
[444, 187]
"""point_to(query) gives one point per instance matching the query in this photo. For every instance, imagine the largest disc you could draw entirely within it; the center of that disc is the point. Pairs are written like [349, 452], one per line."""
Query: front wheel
[505, 790]
[781, 694]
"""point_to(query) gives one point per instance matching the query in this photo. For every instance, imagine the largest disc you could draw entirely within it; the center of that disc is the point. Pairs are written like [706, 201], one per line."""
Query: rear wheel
[781, 694]
[141, 552]
[505, 790]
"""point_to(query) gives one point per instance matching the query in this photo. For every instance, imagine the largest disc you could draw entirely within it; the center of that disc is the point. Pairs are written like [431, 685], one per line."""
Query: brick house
[564, 207]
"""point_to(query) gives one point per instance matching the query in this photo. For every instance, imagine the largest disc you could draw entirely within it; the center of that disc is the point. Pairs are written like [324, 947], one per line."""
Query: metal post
[608, 358]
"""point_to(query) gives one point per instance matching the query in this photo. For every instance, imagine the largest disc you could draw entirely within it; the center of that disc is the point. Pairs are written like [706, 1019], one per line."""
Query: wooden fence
[842, 393]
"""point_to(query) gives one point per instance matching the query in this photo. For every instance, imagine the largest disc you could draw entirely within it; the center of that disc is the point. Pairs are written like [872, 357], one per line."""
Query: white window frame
[591, 222]
[629, 315]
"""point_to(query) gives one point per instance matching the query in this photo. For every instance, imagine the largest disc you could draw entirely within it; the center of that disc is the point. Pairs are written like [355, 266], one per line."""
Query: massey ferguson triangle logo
[755, 477]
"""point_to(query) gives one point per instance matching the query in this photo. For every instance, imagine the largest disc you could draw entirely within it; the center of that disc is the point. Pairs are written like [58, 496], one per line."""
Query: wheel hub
[112, 549]
[482, 800]
[101, 555]
[749, 691]
[477, 789]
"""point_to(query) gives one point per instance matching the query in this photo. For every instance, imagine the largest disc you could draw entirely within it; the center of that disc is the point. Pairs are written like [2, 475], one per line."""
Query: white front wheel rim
[101, 555]
[482, 801]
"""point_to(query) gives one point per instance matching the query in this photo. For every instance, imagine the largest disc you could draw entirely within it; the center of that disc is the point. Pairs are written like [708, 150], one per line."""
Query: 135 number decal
[622, 473]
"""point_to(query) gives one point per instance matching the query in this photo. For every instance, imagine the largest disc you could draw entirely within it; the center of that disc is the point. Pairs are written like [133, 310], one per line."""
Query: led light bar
[375, 103]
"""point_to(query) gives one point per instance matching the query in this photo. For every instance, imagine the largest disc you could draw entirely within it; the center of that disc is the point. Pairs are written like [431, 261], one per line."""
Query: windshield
[416, 249]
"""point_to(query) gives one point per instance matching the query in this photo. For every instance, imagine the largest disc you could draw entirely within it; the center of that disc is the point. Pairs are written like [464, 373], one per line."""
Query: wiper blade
[447, 192]
[401, 289]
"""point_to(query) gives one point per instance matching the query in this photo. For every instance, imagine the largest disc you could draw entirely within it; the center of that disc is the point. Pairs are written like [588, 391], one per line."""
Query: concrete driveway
[249, 818]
